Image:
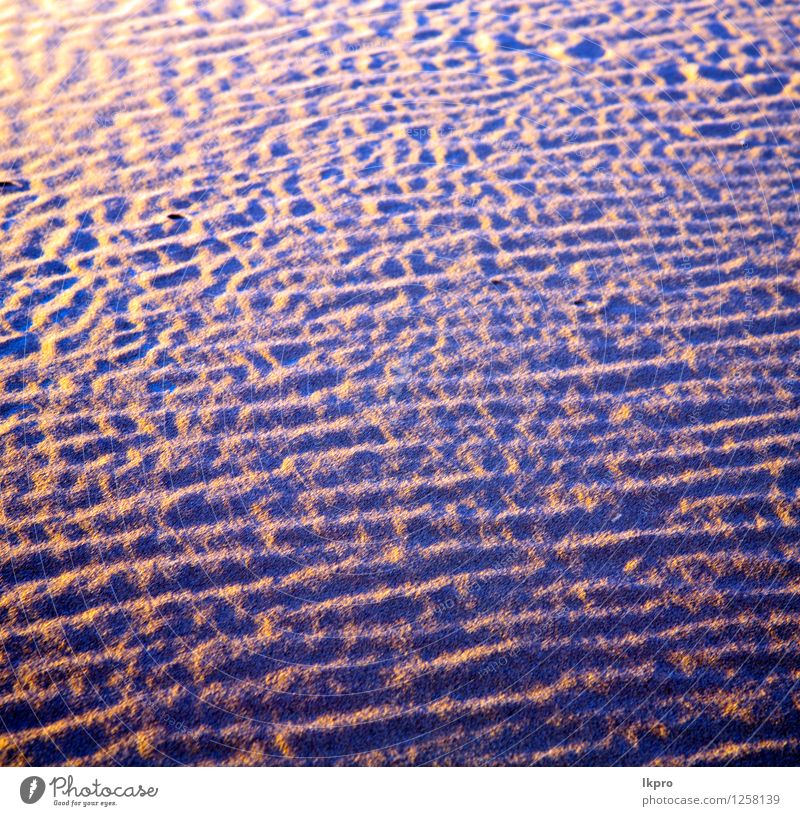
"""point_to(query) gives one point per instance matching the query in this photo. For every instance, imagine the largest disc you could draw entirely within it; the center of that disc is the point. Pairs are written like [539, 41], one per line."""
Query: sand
[399, 383]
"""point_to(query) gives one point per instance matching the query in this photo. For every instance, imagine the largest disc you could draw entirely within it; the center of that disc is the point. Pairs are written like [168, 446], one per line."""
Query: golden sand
[399, 383]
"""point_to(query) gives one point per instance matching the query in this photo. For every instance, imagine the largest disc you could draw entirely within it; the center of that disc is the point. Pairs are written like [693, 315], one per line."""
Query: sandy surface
[399, 383]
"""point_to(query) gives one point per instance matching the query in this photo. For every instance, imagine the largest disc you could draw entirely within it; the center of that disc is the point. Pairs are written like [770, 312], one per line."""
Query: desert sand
[399, 383]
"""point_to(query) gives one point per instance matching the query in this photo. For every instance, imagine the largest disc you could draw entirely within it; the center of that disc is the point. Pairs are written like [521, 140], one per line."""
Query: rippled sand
[399, 383]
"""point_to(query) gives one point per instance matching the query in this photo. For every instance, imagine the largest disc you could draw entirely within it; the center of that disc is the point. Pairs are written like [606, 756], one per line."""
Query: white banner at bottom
[402, 791]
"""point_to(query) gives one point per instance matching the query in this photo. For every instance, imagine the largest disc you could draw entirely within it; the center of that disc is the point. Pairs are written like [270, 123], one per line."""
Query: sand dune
[408, 383]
